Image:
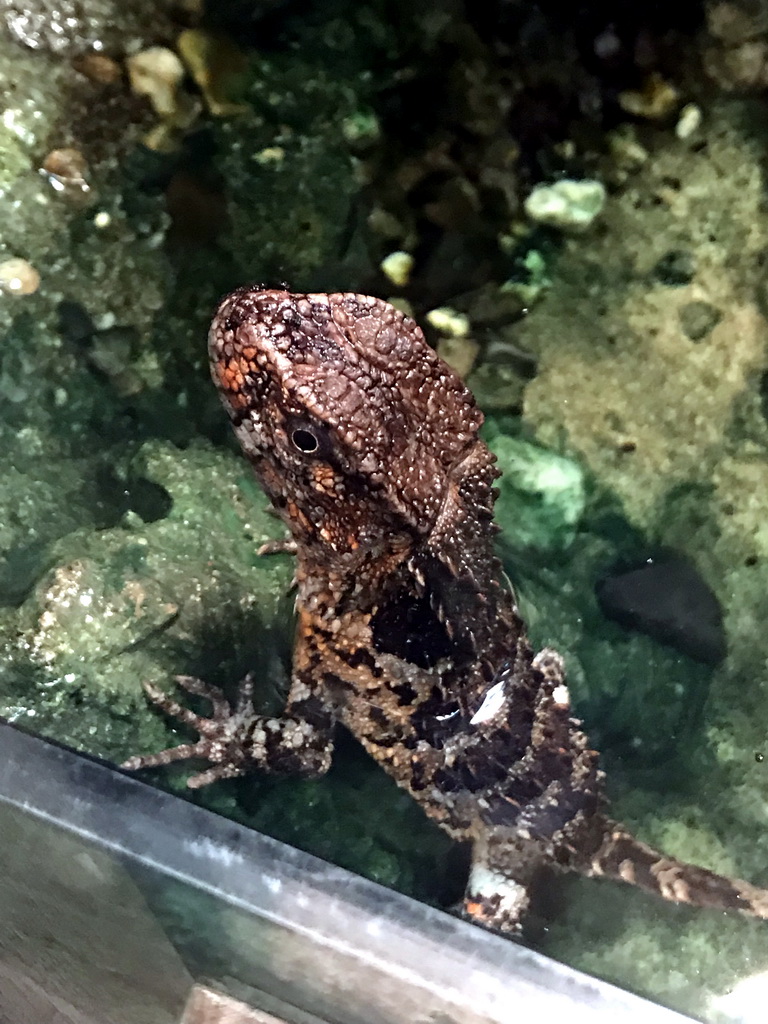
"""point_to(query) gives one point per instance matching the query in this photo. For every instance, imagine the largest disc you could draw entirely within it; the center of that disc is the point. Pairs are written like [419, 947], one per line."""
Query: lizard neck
[334, 583]
[474, 597]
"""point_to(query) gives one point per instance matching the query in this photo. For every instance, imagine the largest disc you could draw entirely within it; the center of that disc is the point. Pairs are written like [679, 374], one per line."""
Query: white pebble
[567, 204]
[688, 121]
[17, 277]
[397, 267]
[156, 73]
[448, 322]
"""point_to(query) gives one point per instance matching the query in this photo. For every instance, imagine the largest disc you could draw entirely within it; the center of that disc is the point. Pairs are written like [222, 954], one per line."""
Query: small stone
[448, 322]
[270, 155]
[98, 68]
[385, 224]
[361, 130]
[75, 324]
[675, 268]
[697, 319]
[400, 302]
[111, 350]
[740, 67]
[457, 203]
[66, 170]
[628, 154]
[157, 73]
[498, 386]
[397, 267]
[657, 99]
[734, 23]
[607, 44]
[688, 122]
[218, 67]
[17, 277]
[498, 305]
[567, 204]
[526, 290]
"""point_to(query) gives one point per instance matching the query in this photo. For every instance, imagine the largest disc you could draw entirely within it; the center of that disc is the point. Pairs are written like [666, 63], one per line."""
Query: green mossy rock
[542, 495]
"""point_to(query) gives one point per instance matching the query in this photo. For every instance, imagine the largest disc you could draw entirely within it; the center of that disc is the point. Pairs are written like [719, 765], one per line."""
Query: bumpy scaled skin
[367, 445]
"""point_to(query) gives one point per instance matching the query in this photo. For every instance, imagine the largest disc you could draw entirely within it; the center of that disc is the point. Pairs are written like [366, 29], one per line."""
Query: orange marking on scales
[295, 513]
[324, 478]
[232, 381]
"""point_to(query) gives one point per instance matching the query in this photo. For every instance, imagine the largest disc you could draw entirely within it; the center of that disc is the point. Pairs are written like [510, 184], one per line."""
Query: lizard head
[349, 418]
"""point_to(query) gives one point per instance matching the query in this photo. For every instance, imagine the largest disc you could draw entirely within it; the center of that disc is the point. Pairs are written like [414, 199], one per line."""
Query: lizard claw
[287, 546]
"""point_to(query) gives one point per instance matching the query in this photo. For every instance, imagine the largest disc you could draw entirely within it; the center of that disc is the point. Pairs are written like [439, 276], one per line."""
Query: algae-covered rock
[82, 243]
[619, 378]
[542, 495]
[146, 600]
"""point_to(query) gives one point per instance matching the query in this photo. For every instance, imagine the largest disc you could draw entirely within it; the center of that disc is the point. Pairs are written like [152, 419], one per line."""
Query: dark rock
[675, 268]
[697, 319]
[667, 599]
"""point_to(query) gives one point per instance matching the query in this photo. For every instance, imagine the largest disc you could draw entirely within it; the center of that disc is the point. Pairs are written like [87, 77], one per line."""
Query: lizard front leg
[237, 741]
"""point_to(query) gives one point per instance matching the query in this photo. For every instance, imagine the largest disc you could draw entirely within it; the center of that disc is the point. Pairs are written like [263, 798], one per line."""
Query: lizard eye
[308, 437]
[305, 441]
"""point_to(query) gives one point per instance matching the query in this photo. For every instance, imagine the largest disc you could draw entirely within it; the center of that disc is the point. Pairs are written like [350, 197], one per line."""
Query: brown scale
[367, 445]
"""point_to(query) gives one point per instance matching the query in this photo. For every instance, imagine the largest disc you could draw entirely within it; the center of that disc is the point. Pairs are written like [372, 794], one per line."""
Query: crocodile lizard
[367, 445]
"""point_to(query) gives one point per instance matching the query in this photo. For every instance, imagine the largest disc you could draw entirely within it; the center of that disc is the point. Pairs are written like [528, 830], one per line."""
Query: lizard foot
[286, 546]
[223, 736]
[237, 740]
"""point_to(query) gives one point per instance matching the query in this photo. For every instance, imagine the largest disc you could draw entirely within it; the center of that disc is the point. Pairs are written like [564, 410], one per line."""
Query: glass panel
[115, 897]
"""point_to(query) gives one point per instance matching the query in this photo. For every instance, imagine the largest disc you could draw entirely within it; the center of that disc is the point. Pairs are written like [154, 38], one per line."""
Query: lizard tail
[622, 857]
